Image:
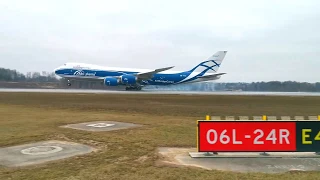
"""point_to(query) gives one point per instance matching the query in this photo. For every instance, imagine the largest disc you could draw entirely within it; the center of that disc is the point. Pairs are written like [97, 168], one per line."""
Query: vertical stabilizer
[212, 64]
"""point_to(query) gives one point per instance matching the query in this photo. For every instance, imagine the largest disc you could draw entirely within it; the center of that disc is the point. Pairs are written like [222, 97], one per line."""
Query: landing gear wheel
[137, 88]
[69, 83]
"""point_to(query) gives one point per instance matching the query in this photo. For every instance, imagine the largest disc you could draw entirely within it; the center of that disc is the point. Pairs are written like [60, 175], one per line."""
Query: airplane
[135, 79]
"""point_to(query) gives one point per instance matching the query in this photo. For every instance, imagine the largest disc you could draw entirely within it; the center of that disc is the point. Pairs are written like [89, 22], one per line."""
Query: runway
[242, 93]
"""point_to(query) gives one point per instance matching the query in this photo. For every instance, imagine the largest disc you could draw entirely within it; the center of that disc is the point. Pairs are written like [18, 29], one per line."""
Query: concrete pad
[230, 118]
[215, 117]
[298, 118]
[101, 126]
[41, 152]
[272, 117]
[257, 117]
[313, 117]
[285, 118]
[255, 155]
[180, 156]
[243, 117]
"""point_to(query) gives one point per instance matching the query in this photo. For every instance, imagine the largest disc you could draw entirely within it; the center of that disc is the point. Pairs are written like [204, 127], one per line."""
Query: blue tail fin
[212, 64]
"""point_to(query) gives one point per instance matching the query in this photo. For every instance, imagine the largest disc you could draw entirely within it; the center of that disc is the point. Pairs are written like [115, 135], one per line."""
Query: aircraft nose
[56, 71]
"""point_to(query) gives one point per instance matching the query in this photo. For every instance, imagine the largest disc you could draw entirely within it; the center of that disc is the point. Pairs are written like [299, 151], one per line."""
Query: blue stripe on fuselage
[158, 79]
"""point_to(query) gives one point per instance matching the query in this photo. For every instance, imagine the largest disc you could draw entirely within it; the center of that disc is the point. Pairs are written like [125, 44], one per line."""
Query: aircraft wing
[212, 76]
[149, 75]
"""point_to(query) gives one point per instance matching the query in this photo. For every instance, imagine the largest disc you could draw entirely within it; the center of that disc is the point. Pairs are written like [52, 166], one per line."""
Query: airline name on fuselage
[82, 73]
[163, 81]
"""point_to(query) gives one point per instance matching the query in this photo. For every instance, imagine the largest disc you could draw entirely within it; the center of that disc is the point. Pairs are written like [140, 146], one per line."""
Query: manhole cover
[40, 150]
[100, 125]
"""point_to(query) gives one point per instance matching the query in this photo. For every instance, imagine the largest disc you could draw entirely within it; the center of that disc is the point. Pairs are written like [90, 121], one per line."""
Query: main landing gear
[133, 88]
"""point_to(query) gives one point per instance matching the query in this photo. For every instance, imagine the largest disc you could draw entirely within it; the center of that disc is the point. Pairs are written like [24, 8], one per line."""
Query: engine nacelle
[128, 79]
[111, 81]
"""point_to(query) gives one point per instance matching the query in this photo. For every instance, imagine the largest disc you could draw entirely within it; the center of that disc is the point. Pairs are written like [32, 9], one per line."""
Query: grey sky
[266, 40]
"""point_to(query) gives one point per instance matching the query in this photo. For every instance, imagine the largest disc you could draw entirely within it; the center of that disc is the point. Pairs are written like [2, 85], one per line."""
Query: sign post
[258, 136]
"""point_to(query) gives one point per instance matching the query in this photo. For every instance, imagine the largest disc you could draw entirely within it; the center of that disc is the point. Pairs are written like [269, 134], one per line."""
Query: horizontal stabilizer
[212, 76]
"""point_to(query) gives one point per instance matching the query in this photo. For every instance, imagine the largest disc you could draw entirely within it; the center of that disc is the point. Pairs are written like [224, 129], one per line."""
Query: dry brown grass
[129, 154]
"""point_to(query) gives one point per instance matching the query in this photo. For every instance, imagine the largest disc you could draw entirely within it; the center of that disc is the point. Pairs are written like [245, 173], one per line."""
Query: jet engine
[128, 79]
[111, 81]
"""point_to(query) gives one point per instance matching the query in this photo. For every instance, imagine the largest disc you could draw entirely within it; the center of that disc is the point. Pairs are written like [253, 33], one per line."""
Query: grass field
[130, 154]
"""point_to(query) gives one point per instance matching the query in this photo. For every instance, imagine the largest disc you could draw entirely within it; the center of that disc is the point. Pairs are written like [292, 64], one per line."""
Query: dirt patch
[142, 159]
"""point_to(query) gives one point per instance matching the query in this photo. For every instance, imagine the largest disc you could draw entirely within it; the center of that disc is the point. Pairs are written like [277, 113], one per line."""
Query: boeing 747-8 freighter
[135, 79]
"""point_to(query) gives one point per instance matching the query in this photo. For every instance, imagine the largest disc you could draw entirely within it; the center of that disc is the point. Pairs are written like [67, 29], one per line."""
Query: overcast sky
[266, 40]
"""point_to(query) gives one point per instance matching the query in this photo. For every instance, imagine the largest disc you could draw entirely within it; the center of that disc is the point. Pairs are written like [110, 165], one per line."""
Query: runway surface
[246, 93]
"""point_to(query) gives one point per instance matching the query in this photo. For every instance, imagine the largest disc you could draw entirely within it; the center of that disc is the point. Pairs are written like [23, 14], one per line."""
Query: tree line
[8, 75]
[271, 86]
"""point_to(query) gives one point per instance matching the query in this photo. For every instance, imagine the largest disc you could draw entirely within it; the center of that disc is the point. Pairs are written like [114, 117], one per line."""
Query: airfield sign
[257, 136]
